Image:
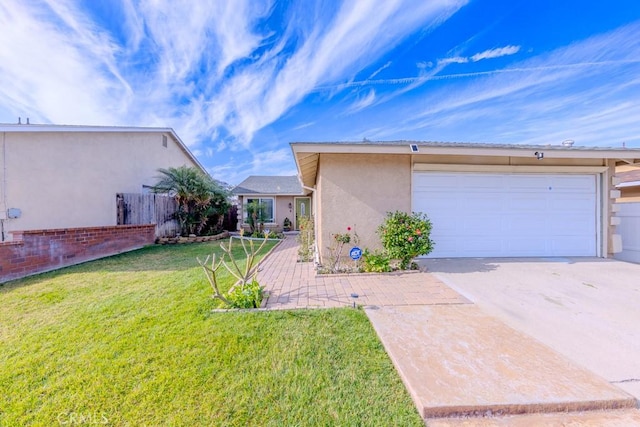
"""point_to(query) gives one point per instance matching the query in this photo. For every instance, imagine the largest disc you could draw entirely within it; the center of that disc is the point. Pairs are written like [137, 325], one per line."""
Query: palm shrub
[406, 236]
[199, 196]
[255, 216]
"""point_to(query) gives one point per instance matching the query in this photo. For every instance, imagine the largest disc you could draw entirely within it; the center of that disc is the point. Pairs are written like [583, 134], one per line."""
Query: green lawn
[132, 340]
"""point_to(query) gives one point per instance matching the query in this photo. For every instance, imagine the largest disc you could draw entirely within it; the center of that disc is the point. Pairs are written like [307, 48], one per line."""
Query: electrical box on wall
[13, 213]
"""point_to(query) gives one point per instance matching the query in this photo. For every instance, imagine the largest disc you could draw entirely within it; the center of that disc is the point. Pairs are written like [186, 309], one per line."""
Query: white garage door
[508, 215]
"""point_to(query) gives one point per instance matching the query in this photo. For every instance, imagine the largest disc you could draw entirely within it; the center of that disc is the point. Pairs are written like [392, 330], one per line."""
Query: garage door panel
[522, 203]
[480, 225]
[477, 203]
[527, 182]
[481, 182]
[572, 226]
[524, 225]
[573, 203]
[478, 215]
[559, 247]
[526, 246]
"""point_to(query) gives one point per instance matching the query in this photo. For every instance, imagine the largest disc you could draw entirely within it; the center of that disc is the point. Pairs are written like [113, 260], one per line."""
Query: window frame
[260, 199]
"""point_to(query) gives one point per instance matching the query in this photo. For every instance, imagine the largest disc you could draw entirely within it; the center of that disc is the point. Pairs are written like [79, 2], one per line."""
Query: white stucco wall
[70, 179]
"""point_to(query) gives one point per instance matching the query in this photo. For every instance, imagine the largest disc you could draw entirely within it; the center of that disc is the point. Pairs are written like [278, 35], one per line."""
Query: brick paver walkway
[291, 284]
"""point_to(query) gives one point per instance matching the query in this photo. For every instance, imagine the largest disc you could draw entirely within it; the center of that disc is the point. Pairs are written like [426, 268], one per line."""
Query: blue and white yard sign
[355, 253]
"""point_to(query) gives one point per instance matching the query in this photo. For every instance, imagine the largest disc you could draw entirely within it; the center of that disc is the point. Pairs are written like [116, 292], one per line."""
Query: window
[267, 211]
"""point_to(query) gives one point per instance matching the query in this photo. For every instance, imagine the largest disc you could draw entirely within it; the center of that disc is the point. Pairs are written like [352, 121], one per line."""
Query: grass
[132, 340]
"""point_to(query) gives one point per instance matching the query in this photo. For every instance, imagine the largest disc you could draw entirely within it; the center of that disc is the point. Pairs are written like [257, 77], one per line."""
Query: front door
[303, 210]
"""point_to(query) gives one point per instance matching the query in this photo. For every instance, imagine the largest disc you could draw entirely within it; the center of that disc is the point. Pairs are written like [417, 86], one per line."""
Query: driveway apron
[460, 365]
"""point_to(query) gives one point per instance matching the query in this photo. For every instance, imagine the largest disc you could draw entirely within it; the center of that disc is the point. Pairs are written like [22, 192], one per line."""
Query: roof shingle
[271, 185]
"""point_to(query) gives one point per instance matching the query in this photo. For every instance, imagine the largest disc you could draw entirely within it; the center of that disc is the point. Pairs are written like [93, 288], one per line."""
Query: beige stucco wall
[70, 179]
[357, 190]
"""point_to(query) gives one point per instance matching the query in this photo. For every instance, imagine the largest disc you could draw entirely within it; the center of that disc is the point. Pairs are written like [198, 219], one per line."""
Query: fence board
[139, 209]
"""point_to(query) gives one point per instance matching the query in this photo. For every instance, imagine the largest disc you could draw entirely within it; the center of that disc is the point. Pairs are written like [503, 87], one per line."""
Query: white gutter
[3, 187]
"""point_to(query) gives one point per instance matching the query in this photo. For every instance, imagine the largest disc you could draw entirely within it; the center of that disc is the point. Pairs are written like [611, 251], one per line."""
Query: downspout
[316, 253]
[4, 186]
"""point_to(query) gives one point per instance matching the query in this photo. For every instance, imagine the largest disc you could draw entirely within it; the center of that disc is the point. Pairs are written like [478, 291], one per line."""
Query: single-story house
[629, 229]
[484, 200]
[59, 184]
[629, 185]
[280, 197]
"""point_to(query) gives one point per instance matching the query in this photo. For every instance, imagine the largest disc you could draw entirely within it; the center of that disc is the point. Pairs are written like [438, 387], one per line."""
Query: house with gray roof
[281, 197]
[483, 200]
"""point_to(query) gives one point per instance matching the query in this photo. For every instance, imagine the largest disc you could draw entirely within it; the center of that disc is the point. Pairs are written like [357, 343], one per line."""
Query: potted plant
[286, 224]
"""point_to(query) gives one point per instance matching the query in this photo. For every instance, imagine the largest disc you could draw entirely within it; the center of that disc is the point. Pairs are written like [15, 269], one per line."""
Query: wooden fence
[139, 209]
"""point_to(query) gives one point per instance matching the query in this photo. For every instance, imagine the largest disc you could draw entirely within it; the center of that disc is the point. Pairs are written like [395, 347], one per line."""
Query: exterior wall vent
[164, 141]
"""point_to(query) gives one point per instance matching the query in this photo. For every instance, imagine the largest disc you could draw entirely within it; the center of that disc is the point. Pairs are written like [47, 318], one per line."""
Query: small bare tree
[245, 275]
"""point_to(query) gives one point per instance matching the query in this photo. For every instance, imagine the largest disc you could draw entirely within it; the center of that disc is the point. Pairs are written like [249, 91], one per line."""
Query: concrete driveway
[587, 309]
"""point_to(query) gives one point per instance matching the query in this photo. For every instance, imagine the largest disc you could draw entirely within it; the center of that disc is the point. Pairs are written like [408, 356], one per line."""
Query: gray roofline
[442, 144]
[26, 128]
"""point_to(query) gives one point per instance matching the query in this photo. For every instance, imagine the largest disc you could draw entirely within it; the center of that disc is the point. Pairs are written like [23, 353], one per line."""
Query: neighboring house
[484, 200]
[629, 229]
[629, 185]
[63, 181]
[280, 196]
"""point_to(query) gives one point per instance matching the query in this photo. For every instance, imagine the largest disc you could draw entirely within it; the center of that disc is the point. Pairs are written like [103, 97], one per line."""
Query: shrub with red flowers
[335, 250]
[406, 236]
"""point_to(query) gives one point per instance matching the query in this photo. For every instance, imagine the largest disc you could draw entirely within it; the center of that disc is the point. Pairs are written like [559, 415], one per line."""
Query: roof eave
[39, 128]
[307, 173]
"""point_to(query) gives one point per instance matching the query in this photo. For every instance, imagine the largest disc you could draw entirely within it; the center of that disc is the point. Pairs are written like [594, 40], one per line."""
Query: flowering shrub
[335, 250]
[406, 236]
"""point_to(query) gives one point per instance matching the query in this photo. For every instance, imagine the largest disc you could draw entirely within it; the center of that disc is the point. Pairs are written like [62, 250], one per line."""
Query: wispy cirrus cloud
[487, 54]
[587, 91]
[223, 72]
[495, 53]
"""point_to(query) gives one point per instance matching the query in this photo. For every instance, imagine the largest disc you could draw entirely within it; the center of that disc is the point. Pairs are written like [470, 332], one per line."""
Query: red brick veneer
[37, 251]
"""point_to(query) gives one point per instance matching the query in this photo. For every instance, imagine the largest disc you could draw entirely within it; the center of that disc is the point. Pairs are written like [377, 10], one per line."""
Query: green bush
[263, 234]
[406, 236]
[306, 239]
[247, 296]
[375, 262]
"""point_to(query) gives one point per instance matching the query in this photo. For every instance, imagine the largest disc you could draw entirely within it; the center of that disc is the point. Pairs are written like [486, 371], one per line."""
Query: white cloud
[379, 70]
[495, 53]
[487, 54]
[58, 70]
[335, 49]
[453, 60]
[587, 91]
[363, 102]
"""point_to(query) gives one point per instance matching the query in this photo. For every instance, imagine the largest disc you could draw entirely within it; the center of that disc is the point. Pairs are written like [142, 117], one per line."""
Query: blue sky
[238, 80]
